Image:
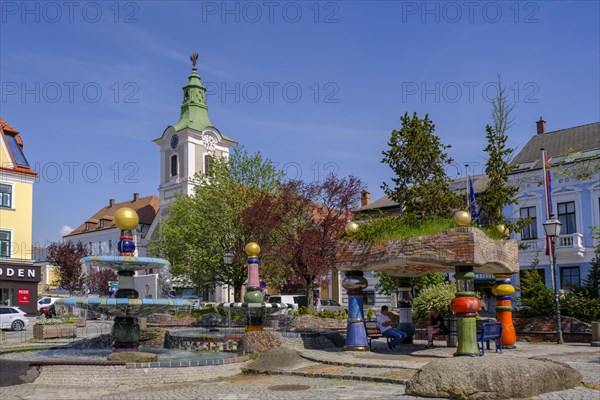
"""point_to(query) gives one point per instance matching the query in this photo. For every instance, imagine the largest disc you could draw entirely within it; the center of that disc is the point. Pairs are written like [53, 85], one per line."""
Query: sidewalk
[316, 374]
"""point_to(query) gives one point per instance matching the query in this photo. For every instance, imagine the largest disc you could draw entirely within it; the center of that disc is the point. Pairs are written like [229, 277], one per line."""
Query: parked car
[46, 302]
[194, 300]
[295, 300]
[13, 318]
[327, 304]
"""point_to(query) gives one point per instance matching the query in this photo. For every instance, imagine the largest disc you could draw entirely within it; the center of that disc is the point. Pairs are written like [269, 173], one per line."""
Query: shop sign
[17, 272]
[23, 297]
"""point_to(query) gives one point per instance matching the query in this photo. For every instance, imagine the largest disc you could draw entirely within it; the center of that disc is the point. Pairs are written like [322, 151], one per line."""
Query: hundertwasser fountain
[126, 306]
[253, 307]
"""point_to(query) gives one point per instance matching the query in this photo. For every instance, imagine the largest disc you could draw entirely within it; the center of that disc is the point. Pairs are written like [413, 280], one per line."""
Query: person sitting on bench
[436, 325]
[384, 323]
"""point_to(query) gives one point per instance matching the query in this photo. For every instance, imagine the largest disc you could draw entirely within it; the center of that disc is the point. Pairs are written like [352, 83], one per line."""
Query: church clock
[174, 141]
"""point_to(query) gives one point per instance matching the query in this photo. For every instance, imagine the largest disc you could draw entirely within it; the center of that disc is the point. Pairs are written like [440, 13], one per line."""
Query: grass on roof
[383, 228]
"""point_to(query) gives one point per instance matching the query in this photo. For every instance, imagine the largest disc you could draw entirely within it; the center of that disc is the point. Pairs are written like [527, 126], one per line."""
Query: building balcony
[571, 244]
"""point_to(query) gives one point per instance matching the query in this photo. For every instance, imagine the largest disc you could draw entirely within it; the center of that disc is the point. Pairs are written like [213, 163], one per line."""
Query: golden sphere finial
[351, 228]
[252, 249]
[503, 230]
[461, 218]
[126, 219]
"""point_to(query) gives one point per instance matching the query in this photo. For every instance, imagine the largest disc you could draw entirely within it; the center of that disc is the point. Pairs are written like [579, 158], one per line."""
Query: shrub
[438, 296]
[536, 297]
[581, 307]
[302, 310]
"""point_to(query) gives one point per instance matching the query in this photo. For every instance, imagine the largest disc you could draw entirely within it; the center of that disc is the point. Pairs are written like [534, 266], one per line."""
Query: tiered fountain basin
[123, 307]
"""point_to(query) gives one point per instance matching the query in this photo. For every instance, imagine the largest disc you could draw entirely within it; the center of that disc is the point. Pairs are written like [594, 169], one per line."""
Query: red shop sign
[23, 296]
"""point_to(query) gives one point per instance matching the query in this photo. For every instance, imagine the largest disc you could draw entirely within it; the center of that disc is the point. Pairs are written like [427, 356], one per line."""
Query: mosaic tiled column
[126, 330]
[465, 305]
[405, 310]
[356, 336]
[253, 293]
[503, 290]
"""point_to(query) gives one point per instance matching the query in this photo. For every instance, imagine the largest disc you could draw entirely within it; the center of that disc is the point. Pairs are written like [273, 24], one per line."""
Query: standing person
[436, 325]
[385, 323]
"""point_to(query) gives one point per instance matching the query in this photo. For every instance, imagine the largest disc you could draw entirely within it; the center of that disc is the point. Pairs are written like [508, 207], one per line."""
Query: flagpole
[548, 212]
[468, 190]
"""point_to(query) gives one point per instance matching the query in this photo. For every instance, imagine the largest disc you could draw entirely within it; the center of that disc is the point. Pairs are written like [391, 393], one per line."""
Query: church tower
[189, 146]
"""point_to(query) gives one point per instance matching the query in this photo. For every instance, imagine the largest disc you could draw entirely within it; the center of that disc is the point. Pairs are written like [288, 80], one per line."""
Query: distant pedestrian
[436, 325]
[384, 322]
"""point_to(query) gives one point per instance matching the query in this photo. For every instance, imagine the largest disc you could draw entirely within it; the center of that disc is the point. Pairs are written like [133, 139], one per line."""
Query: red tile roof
[5, 126]
[7, 129]
[146, 207]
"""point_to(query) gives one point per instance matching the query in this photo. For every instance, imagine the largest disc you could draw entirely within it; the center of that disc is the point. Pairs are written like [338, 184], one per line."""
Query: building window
[101, 223]
[4, 244]
[369, 298]
[7, 296]
[569, 277]
[109, 246]
[530, 231]
[208, 163]
[87, 226]
[566, 216]
[5, 196]
[174, 165]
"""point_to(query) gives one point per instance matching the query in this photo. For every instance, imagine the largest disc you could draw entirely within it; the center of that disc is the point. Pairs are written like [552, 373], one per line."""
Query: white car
[327, 304]
[46, 302]
[13, 318]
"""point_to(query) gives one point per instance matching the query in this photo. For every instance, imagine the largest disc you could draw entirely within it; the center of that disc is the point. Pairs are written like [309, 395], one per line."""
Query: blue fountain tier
[125, 263]
[122, 307]
[256, 309]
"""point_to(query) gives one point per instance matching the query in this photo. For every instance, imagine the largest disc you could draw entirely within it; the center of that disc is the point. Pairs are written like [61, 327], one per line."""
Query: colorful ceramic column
[405, 310]
[356, 336]
[253, 295]
[126, 330]
[503, 290]
[465, 305]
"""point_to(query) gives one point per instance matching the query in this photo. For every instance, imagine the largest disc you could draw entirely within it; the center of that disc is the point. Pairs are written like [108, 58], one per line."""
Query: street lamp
[228, 260]
[552, 227]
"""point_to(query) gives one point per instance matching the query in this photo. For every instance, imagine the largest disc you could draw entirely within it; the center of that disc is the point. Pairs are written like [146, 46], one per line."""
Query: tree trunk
[237, 293]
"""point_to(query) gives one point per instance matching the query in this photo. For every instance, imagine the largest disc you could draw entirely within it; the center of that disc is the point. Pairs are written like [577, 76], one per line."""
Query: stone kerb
[424, 254]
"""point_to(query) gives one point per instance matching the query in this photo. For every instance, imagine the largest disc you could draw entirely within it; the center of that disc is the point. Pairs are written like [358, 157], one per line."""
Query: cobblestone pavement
[226, 382]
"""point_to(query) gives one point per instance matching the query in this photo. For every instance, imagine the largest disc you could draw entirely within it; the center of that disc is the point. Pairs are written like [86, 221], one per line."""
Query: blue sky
[313, 86]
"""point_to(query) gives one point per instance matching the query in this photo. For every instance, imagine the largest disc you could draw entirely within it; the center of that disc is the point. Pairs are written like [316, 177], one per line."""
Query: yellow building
[18, 276]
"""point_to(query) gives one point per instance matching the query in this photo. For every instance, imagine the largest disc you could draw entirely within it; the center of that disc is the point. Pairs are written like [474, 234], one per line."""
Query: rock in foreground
[501, 377]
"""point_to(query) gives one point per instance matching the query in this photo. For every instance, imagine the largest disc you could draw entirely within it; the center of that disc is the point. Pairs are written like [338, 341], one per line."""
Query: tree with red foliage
[67, 256]
[303, 221]
[97, 281]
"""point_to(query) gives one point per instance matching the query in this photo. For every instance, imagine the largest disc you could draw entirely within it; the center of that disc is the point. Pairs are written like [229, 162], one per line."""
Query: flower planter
[80, 323]
[52, 331]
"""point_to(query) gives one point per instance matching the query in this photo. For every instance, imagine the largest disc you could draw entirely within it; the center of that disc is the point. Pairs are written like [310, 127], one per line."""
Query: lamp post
[552, 227]
[228, 260]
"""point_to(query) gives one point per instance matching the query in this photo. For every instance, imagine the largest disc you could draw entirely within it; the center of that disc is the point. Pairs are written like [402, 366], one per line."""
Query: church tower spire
[194, 110]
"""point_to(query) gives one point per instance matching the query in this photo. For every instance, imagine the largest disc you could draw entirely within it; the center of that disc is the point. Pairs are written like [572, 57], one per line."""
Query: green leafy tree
[67, 257]
[418, 159]
[576, 164]
[498, 193]
[199, 229]
[579, 306]
[389, 285]
[439, 296]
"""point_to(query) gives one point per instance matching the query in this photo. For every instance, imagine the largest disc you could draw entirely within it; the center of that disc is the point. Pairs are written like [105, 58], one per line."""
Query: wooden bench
[374, 333]
[489, 331]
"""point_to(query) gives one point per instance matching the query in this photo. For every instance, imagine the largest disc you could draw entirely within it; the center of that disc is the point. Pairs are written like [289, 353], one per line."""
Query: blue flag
[474, 209]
